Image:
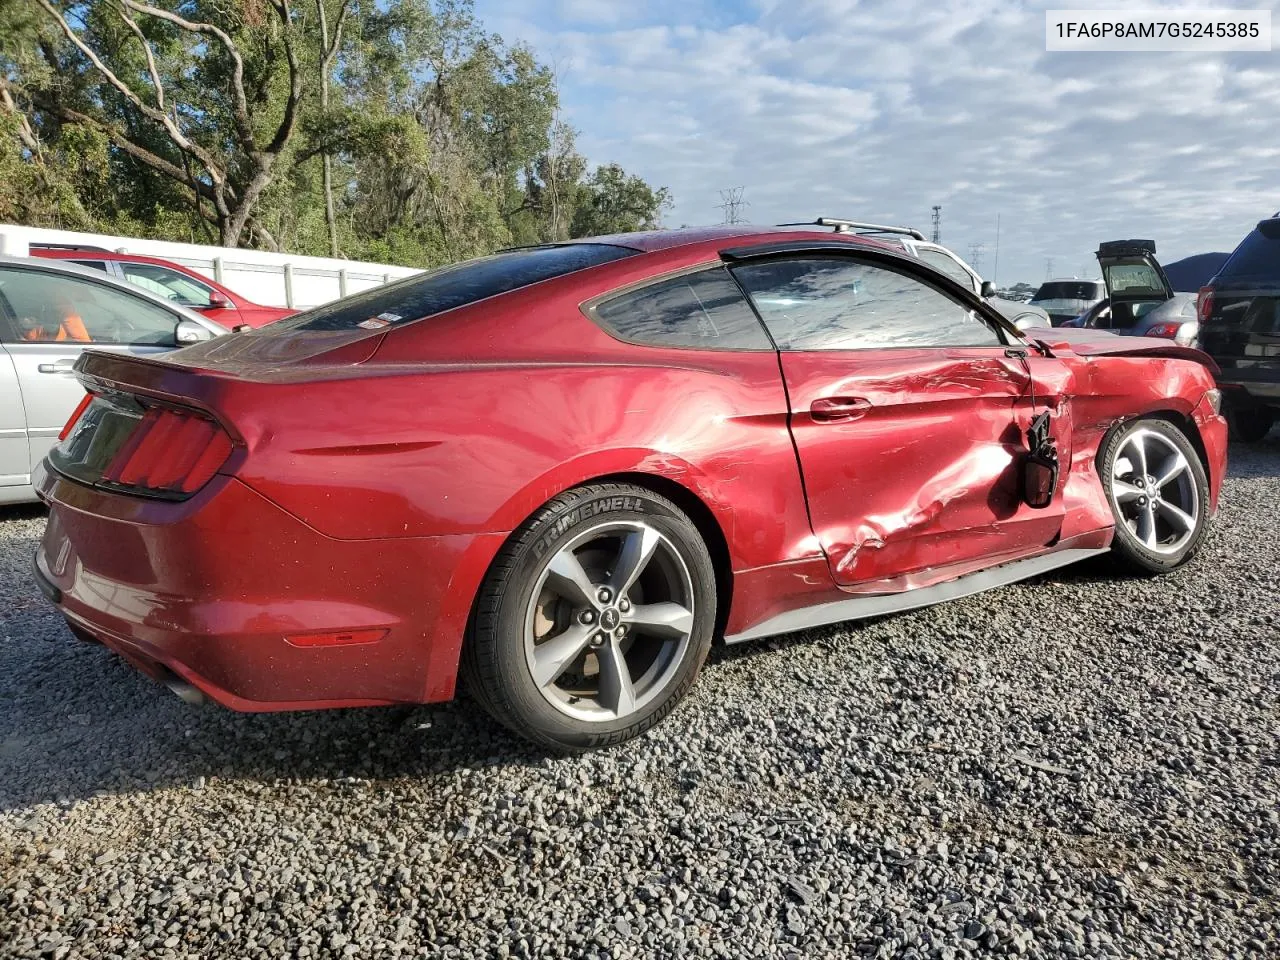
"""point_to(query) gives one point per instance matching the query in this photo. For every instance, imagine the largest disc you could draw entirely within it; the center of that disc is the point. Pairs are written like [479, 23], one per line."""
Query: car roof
[87, 253]
[652, 241]
[53, 265]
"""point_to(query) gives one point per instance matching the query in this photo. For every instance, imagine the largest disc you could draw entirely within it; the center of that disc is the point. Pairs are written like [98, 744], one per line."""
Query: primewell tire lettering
[593, 509]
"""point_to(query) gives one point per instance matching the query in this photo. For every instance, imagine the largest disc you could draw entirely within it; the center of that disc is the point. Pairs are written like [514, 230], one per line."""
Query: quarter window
[705, 309]
[838, 303]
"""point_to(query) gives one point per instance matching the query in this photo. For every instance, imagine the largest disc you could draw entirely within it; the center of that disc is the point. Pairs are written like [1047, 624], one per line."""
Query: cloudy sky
[878, 110]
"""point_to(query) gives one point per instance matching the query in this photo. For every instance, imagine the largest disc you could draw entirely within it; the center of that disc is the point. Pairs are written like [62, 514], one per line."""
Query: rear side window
[448, 287]
[1257, 258]
[703, 309]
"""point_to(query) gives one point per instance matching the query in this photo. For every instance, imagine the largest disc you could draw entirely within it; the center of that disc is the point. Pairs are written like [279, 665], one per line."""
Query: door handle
[838, 409]
[63, 365]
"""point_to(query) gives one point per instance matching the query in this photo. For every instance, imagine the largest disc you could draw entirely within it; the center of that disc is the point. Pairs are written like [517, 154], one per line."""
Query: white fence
[273, 279]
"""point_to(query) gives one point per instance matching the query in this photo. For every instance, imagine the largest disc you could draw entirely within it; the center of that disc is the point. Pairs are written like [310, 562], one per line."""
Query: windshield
[1066, 290]
[1257, 258]
[456, 285]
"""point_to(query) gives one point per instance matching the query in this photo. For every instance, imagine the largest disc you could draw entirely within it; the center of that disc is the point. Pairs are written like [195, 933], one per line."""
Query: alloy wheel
[1153, 491]
[609, 621]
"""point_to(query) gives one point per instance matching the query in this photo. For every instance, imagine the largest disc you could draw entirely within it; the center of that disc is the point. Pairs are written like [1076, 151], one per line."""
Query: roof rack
[67, 246]
[856, 226]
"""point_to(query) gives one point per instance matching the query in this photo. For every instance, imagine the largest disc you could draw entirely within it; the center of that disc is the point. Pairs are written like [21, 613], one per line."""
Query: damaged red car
[559, 472]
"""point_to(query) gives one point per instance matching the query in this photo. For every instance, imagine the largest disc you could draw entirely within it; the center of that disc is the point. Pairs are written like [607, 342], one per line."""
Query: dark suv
[1239, 313]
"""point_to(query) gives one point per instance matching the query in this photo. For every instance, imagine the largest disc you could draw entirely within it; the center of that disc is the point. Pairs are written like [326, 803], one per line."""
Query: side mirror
[188, 331]
[988, 289]
[1039, 481]
[1028, 321]
[217, 301]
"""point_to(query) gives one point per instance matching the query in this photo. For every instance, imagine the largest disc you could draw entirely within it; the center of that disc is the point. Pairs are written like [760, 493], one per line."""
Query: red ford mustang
[560, 471]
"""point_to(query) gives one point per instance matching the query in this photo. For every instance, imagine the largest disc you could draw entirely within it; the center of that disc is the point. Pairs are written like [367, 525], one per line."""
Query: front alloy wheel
[1158, 492]
[594, 619]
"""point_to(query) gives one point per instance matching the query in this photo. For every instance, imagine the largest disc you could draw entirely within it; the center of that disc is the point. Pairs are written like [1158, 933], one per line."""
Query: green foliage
[616, 202]
[210, 121]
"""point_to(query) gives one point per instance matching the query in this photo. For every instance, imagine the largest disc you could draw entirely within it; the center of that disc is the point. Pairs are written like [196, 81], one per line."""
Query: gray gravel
[1079, 766]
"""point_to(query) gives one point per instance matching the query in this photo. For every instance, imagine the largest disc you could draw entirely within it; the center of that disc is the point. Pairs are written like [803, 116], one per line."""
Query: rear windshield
[456, 285]
[1257, 258]
[1067, 290]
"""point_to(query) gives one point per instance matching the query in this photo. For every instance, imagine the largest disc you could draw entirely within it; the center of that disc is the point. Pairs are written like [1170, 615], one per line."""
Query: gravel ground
[1078, 766]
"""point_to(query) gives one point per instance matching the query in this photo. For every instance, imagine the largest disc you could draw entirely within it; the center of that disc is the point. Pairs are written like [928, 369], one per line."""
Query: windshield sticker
[390, 317]
[373, 323]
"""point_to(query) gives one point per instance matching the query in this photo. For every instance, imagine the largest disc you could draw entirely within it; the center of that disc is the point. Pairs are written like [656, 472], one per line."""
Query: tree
[396, 130]
[175, 93]
[328, 50]
[617, 202]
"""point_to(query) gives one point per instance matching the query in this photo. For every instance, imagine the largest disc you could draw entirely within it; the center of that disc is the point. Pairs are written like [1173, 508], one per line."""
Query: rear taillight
[75, 415]
[170, 452]
[1183, 332]
[1204, 303]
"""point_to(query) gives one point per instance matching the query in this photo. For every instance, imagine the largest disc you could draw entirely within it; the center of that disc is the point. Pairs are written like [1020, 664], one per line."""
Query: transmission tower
[937, 223]
[732, 204]
[975, 255]
[1048, 268]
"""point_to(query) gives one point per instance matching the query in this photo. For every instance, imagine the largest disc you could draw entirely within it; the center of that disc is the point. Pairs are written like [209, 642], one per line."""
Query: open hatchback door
[1135, 281]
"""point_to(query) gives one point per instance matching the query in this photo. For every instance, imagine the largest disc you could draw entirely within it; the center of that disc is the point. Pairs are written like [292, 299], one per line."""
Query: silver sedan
[50, 313]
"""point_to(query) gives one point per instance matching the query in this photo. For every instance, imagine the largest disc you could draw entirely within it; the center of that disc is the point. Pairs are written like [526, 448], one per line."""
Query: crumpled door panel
[929, 473]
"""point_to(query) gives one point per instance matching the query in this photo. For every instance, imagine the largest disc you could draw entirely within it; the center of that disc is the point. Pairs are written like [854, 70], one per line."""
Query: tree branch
[241, 110]
[217, 194]
[146, 49]
[336, 41]
[9, 105]
[285, 130]
[158, 116]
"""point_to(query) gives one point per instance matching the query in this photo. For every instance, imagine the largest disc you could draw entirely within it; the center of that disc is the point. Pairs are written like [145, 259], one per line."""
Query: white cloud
[882, 108]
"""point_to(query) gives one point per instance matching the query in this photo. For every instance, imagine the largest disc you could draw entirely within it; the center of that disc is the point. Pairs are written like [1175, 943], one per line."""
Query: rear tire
[594, 619]
[1250, 424]
[1159, 495]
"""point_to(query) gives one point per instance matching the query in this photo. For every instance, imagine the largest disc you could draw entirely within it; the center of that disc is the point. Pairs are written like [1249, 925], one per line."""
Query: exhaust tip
[186, 692]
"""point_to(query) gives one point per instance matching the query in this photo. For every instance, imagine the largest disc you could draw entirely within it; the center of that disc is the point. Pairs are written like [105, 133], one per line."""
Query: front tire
[594, 619]
[1250, 424]
[1159, 495]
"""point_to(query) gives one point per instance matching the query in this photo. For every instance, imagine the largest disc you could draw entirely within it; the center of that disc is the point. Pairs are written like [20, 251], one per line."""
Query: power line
[937, 223]
[732, 204]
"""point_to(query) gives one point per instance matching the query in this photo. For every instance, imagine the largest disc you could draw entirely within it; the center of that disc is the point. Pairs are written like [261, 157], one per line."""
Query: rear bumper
[207, 591]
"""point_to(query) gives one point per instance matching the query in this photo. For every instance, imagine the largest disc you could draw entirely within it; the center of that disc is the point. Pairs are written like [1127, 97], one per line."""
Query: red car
[174, 281]
[561, 470]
